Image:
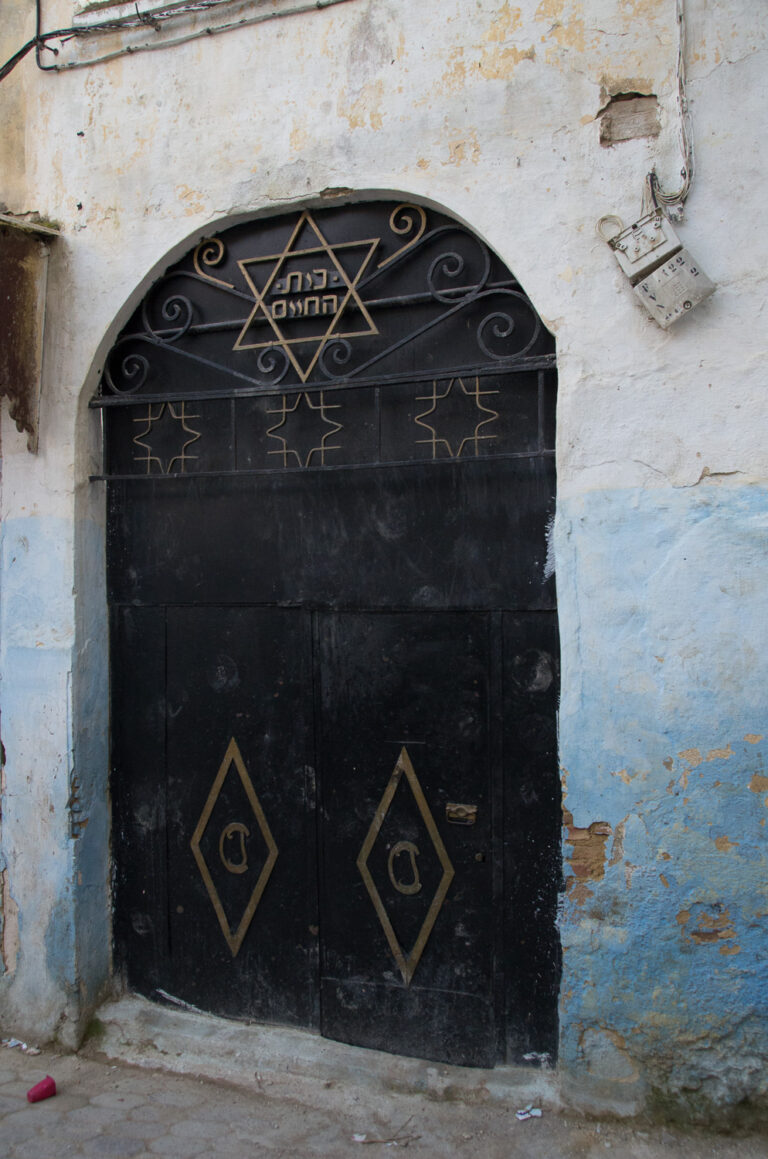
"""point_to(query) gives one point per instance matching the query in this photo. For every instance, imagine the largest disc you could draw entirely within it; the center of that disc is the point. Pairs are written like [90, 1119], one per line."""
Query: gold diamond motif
[329, 306]
[234, 757]
[406, 962]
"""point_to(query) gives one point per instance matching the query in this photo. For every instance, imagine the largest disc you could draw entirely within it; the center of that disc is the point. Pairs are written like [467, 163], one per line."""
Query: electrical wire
[155, 19]
[662, 199]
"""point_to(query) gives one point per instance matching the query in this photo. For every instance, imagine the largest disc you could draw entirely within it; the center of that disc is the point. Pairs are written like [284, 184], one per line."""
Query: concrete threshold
[300, 1065]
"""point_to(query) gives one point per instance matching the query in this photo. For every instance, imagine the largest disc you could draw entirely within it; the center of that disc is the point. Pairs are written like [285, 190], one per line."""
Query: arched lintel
[331, 197]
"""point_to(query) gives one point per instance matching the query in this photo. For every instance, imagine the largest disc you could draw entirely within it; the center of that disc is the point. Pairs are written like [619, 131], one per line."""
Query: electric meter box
[643, 246]
[673, 289]
[664, 276]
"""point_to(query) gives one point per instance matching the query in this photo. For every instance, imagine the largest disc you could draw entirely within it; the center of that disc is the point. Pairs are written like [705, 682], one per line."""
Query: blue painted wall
[36, 644]
[664, 723]
[55, 808]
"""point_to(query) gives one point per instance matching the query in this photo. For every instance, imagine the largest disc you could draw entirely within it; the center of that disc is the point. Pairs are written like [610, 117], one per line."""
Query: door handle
[460, 814]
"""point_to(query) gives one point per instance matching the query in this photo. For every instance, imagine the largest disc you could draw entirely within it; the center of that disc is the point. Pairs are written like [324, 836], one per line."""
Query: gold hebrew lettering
[279, 308]
[321, 279]
[308, 302]
[333, 299]
[289, 281]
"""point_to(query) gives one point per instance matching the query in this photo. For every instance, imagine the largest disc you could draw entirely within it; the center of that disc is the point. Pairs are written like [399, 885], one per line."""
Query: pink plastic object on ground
[45, 1089]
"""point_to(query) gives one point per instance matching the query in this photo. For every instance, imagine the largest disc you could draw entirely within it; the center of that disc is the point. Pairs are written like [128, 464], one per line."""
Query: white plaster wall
[487, 109]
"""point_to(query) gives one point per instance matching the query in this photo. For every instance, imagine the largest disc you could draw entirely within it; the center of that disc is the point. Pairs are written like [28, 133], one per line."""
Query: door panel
[422, 536]
[213, 779]
[138, 795]
[533, 868]
[240, 848]
[406, 892]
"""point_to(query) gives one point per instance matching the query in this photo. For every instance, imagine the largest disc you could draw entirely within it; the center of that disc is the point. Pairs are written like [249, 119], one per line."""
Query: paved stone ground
[106, 1110]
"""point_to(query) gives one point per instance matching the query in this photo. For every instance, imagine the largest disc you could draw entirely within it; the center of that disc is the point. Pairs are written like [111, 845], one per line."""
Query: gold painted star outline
[351, 294]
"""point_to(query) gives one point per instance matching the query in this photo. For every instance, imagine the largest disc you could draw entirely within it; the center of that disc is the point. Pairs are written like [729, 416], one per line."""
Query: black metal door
[329, 450]
[241, 893]
[223, 911]
[409, 862]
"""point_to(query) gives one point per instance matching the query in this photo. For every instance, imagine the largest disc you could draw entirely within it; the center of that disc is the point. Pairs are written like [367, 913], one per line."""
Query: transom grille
[368, 334]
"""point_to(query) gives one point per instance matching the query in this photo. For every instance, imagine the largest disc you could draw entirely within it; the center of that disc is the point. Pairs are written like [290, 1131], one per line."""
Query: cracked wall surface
[491, 111]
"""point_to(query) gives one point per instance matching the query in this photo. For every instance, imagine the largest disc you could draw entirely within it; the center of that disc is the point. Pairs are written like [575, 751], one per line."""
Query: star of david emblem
[307, 295]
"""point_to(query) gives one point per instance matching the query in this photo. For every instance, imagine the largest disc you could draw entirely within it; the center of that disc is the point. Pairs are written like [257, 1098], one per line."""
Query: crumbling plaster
[488, 110]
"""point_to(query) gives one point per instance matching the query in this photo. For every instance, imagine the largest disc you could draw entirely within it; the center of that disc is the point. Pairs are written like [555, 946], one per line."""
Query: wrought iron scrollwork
[402, 221]
[273, 364]
[253, 316]
[129, 376]
[500, 325]
[178, 311]
[133, 371]
[334, 357]
[211, 252]
[451, 266]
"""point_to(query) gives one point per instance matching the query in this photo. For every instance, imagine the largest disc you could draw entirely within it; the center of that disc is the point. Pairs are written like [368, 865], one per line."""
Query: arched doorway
[329, 440]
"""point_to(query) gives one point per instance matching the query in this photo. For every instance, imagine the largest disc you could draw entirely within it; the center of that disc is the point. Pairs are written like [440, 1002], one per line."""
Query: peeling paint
[9, 926]
[587, 858]
[711, 927]
[508, 20]
[719, 754]
[463, 148]
[724, 845]
[617, 850]
[499, 63]
[194, 202]
[455, 75]
[365, 110]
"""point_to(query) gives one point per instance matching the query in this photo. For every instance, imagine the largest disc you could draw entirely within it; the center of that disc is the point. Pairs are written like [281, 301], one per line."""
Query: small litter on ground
[45, 1089]
[11, 1043]
[529, 1112]
[399, 1139]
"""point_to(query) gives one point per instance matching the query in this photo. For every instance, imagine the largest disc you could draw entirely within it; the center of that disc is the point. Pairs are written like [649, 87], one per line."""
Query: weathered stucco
[668, 901]
[490, 110]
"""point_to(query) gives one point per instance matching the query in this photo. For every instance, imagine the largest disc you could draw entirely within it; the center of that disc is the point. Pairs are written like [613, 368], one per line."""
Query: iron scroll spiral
[500, 324]
[337, 351]
[133, 369]
[452, 265]
[178, 311]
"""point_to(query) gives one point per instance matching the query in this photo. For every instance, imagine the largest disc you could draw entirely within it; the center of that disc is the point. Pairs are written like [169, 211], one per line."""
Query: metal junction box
[643, 246]
[673, 289]
[663, 275]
